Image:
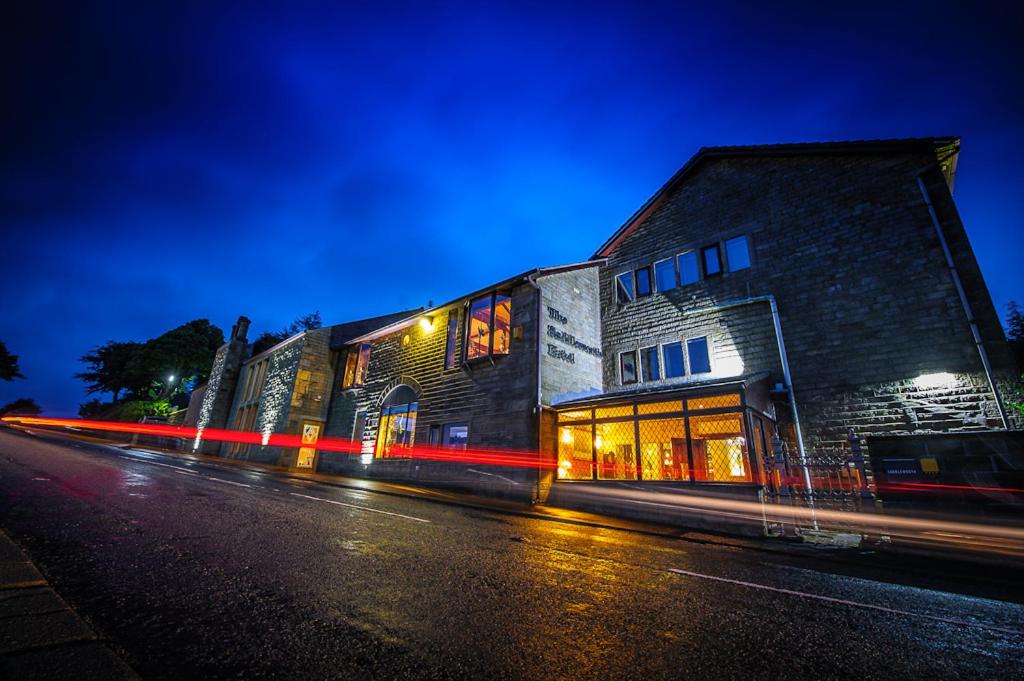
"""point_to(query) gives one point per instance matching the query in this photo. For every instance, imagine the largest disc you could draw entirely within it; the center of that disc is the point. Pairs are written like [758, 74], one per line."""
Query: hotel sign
[567, 338]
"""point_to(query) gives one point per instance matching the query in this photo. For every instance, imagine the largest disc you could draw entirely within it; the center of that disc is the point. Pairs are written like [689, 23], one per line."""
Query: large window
[627, 366]
[673, 353]
[699, 354]
[643, 282]
[451, 339]
[689, 270]
[489, 329]
[624, 291]
[649, 364]
[397, 428]
[702, 439]
[737, 253]
[356, 364]
[665, 275]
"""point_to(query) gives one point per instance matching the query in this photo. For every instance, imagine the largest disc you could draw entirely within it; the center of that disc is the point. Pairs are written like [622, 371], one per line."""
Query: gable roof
[342, 334]
[944, 148]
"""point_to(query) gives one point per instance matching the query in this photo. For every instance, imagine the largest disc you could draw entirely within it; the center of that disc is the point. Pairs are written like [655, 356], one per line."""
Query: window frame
[704, 261]
[451, 341]
[650, 281]
[632, 288]
[689, 362]
[682, 358]
[446, 431]
[636, 368]
[493, 297]
[657, 358]
[728, 260]
[679, 270]
[675, 274]
[354, 356]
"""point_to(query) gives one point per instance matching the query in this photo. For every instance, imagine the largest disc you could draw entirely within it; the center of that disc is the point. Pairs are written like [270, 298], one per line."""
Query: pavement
[204, 569]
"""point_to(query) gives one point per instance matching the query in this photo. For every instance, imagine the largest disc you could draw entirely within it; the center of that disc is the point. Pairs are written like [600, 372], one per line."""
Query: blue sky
[180, 161]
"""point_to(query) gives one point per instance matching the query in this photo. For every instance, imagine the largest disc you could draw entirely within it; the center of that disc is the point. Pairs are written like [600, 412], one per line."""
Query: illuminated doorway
[397, 428]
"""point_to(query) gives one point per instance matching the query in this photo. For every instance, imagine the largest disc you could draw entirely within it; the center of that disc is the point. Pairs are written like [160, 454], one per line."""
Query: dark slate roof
[342, 334]
[945, 148]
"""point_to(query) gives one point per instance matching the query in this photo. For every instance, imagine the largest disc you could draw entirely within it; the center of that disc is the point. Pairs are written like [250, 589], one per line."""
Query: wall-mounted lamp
[940, 379]
[426, 324]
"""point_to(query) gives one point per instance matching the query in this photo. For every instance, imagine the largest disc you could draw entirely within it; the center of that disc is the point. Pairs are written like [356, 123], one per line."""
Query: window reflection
[489, 331]
[502, 324]
[575, 453]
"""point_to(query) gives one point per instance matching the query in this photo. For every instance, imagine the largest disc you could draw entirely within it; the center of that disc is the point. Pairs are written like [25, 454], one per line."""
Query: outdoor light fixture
[941, 379]
[366, 459]
[426, 324]
[170, 379]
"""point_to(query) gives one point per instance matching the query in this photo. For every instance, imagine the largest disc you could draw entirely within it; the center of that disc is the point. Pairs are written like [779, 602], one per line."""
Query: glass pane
[502, 324]
[643, 281]
[738, 254]
[612, 412]
[350, 370]
[700, 360]
[663, 449]
[688, 270]
[449, 348]
[456, 436]
[575, 453]
[712, 261]
[673, 353]
[649, 364]
[719, 448]
[614, 443]
[583, 415]
[627, 361]
[659, 407]
[396, 430]
[479, 342]
[624, 288]
[362, 364]
[665, 275]
[714, 402]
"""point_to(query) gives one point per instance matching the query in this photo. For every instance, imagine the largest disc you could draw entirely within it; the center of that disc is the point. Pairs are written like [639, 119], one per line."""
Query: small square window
[689, 270]
[673, 354]
[643, 281]
[627, 364]
[624, 288]
[649, 364]
[712, 258]
[455, 436]
[737, 252]
[665, 275]
[700, 357]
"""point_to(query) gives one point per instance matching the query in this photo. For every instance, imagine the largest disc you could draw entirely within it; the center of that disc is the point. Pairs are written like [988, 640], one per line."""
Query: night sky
[162, 165]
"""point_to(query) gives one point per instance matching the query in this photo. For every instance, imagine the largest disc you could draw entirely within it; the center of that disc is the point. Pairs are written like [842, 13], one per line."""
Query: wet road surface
[201, 571]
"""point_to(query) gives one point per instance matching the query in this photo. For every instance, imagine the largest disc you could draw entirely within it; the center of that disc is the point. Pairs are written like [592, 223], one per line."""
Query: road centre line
[843, 601]
[227, 482]
[360, 508]
[157, 463]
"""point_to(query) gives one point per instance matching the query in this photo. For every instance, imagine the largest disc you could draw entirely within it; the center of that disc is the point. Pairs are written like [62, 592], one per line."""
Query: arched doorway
[397, 427]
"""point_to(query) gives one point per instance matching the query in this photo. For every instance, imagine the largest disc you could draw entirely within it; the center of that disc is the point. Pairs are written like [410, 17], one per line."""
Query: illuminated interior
[397, 428]
[489, 331]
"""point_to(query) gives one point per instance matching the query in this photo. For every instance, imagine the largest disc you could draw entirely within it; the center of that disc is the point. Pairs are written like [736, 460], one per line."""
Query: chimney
[240, 329]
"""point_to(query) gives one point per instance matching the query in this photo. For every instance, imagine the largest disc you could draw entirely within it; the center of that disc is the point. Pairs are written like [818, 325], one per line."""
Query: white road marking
[157, 463]
[843, 601]
[360, 508]
[229, 482]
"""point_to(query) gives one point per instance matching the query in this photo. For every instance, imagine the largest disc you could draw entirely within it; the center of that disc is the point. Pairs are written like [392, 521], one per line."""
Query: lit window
[575, 452]
[665, 275]
[689, 271]
[356, 364]
[453, 332]
[712, 258]
[396, 429]
[624, 288]
[649, 364]
[737, 252]
[643, 282]
[719, 448]
[700, 358]
[627, 363]
[673, 354]
[455, 436]
[489, 329]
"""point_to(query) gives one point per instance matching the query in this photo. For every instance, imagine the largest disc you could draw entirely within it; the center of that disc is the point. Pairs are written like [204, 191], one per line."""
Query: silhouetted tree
[1015, 332]
[8, 364]
[110, 369]
[269, 339]
[21, 407]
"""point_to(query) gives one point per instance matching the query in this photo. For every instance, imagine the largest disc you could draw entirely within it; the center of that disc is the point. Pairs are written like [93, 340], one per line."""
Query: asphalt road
[201, 571]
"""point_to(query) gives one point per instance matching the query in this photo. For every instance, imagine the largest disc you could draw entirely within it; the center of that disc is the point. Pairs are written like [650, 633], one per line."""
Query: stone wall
[846, 245]
[215, 409]
[570, 335]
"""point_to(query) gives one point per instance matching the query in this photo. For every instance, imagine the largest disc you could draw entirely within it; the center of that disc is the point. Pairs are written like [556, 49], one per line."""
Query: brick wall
[846, 245]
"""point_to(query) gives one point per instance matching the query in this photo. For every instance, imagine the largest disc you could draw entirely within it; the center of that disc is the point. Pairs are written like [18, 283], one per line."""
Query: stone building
[802, 290]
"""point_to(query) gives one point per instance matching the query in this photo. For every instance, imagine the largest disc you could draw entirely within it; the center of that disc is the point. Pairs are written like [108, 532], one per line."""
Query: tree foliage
[1015, 337]
[144, 371]
[21, 407]
[269, 339]
[8, 364]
